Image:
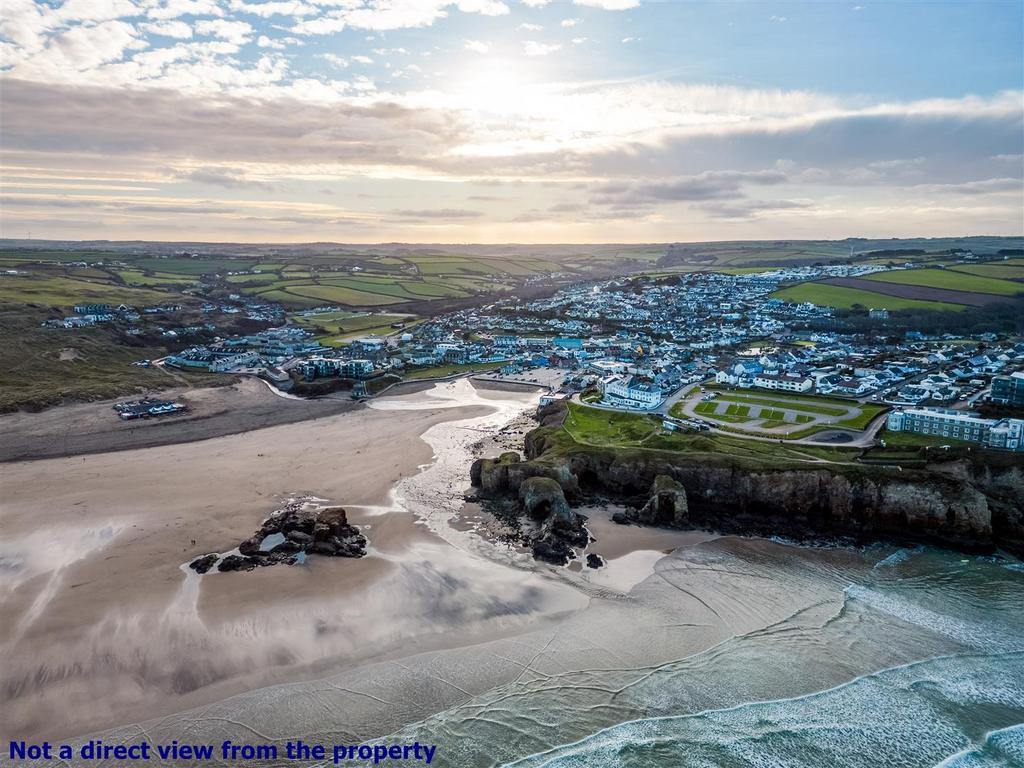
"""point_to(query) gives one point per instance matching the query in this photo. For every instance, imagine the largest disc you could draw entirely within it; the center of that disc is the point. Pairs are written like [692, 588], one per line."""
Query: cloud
[172, 9]
[609, 5]
[630, 39]
[711, 185]
[362, 59]
[219, 176]
[567, 23]
[533, 48]
[273, 8]
[335, 60]
[979, 187]
[530, 27]
[265, 42]
[535, 3]
[439, 213]
[171, 28]
[236, 32]
[483, 7]
[748, 209]
[476, 46]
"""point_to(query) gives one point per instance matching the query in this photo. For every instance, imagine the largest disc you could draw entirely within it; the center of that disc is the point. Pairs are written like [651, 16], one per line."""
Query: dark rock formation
[594, 560]
[969, 502]
[554, 551]
[204, 563]
[667, 504]
[621, 518]
[289, 532]
[560, 529]
[237, 563]
[542, 497]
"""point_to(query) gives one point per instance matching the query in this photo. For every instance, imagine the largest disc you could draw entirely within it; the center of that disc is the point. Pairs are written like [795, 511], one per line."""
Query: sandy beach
[96, 604]
[444, 634]
[84, 428]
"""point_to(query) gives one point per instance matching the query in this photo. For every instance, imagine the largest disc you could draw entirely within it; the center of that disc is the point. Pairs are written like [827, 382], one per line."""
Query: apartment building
[1007, 434]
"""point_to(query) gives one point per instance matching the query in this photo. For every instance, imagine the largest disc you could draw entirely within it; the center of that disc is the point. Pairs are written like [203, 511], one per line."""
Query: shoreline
[178, 640]
[82, 429]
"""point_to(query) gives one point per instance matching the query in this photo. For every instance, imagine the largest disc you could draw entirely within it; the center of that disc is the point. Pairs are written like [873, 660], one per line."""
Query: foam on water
[914, 714]
[997, 749]
[972, 635]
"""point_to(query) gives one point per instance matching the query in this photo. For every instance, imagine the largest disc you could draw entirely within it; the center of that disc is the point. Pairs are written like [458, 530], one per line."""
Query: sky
[530, 121]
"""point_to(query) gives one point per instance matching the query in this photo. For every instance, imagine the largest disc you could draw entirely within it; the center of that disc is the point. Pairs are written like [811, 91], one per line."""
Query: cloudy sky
[510, 120]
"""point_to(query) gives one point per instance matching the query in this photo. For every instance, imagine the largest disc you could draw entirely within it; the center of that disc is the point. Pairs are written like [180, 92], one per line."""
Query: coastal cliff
[963, 503]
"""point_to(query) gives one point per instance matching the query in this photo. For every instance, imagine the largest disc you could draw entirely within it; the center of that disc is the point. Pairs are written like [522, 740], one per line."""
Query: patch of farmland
[917, 292]
[336, 294]
[66, 292]
[185, 266]
[947, 280]
[842, 297]
[1001, 270]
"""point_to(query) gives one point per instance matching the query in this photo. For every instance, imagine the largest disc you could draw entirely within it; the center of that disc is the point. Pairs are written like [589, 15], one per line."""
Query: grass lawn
[783, 402]
[915, 440]
[845, 298]
[439, 371]
[867, 415]
[612, 429]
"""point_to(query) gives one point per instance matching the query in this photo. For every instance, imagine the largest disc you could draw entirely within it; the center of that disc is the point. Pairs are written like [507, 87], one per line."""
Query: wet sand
[99, 623]
[85, 428]
[442, 636]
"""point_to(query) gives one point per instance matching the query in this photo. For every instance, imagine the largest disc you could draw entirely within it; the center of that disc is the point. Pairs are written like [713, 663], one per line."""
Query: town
[685, 347]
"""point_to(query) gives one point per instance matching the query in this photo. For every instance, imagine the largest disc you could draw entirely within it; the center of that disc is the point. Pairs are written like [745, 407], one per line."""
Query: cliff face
[960, 503]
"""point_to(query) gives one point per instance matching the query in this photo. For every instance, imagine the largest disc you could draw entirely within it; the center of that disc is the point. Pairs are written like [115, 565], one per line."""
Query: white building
[627, 392]
[784, 382]
[959, 425]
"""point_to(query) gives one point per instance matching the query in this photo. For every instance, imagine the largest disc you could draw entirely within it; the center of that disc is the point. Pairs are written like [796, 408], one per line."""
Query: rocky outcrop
[965, 503]
[560, 529]
[666, 506]
[542, 497]
[288, 535]
[204, 563]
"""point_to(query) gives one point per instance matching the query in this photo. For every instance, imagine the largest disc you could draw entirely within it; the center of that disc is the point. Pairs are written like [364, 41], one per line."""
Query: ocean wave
[912, 714]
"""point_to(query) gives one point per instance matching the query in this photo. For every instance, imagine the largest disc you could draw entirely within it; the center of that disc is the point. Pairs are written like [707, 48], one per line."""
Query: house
[784, 382]
[629, 392]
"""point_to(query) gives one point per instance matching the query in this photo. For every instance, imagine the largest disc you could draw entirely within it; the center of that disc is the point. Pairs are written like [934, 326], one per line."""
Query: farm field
[953, 280]
[917, 292]
[65, 292]
[1002, 270]
[842, 297]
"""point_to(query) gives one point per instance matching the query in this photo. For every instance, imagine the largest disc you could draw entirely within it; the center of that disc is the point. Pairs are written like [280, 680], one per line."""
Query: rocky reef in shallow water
[289, 535]
[972, 503]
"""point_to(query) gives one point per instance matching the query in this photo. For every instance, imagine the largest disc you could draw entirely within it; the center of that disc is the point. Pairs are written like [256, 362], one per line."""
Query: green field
[948, 279]
[846, 298]
[65, 292]
[1004, 270]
